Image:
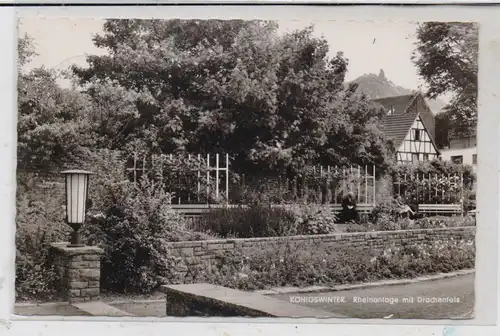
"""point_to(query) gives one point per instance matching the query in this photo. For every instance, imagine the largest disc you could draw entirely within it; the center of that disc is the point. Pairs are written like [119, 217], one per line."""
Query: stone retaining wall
[202, 254]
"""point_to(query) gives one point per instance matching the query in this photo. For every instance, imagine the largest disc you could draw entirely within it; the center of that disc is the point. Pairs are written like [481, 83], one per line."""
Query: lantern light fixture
[77, 187]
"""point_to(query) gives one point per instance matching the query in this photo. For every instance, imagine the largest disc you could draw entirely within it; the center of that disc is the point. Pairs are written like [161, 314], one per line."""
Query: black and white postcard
[250, 166]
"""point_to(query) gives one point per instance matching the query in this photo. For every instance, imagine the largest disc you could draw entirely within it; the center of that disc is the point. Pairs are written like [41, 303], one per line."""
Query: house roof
[399, 103]
[397, 125]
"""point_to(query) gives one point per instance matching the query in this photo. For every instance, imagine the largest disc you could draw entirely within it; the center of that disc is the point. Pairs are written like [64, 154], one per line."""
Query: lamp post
[77, 182]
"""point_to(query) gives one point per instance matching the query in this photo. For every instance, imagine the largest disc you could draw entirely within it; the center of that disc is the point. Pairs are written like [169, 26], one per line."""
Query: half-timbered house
[410, 124]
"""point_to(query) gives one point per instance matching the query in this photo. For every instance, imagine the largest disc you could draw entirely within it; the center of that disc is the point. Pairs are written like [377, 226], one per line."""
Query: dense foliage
[259, 220]
[133, 231]
[53, 130]
[132, 222]
[200, 87]
[39, 221]
[36, 276]
[264, 221]
[273, 102]
[447, 59]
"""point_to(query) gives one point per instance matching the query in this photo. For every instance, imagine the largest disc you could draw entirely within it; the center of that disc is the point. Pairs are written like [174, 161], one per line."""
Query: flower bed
[295, 264]
[385, 223]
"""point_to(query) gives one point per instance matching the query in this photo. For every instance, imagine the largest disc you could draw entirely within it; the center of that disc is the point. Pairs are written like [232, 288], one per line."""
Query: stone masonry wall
[202, 254]
[79, 271]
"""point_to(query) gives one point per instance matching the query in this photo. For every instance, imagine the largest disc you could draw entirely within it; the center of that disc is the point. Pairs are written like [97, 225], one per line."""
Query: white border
[488, 198]
[8, 120]
[267, 2]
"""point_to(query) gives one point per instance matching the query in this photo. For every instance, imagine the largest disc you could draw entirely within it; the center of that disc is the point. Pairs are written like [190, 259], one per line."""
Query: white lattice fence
[206, 184]
[203, 179]
[430, 188]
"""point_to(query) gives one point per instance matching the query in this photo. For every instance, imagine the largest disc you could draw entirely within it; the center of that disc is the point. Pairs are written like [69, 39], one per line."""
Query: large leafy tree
[446, 57]
[271, 101]
[52, 126]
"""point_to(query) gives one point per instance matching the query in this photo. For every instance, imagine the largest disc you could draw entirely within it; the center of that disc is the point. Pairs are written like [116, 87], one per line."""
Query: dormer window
[390, 111]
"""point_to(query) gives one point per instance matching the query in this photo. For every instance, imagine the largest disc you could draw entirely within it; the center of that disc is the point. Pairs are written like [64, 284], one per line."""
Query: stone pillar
[79, 270]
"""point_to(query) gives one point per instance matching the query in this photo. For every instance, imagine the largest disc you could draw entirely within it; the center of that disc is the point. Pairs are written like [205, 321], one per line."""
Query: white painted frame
[488, 182]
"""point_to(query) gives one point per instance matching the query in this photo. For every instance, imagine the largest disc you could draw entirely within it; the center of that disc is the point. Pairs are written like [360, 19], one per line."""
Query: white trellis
[215, 167]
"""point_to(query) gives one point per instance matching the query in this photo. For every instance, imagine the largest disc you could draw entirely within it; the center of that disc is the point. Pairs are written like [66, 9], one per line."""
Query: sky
[369, 46]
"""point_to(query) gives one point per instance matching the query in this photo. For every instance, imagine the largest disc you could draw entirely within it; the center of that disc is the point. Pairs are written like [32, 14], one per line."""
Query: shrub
[39, 222]
[253, 221]
[36, 277]
[109, 167]
[39, 202]
[261, 190]
[181, 174]
[387, 210]
[134, 230]
[359, 227]
[258, 220]
[314, 219]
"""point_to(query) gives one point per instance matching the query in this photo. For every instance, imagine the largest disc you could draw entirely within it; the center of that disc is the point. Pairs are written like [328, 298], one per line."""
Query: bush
[134, 230]
[292, 264]
[36, 277]
[181, 174]
[258, 220]
[359, 227]
[39, 222]
[388, 210]
[246, 222]
[314, 219]
[39, 202]
[109, 167]
[302, 219]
